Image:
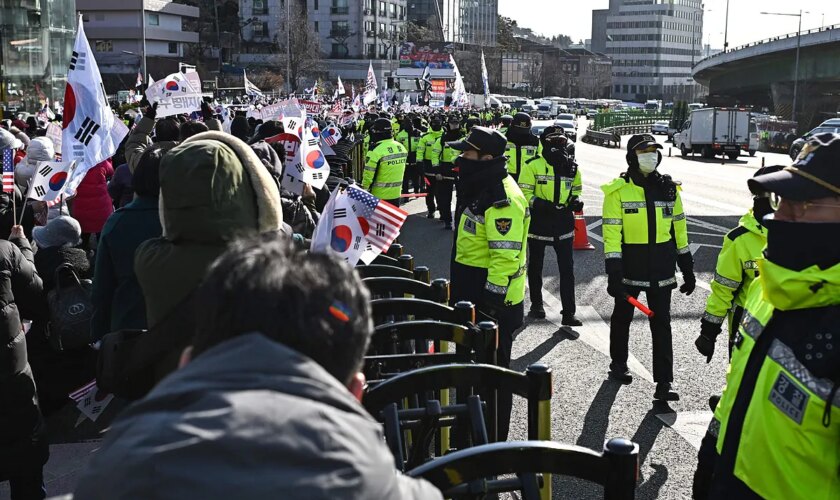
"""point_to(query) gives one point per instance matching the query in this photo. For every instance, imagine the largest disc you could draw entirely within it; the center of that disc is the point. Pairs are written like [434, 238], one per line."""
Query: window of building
[339, 7]
[392, 10]
[152, 19]
[173, 47]
[369, 5]
[383, 11]
[340, 29]
[316, 26]
[369, 27]
[381, 28]
[260, 8]
[618, 89]
[261, 29]
[104, 45]
[338, 51]
[315, 4]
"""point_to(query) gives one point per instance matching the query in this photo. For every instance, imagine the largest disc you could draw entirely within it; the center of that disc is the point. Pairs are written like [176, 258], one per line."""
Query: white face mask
[648, 162]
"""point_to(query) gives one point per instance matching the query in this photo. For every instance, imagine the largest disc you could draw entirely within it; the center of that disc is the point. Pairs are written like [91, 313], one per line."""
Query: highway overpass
[762, 74]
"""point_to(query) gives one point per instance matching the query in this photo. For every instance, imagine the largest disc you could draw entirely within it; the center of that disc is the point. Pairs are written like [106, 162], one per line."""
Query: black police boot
[447, 225]
[431, 215]
[664, 393]
[621, 374]
[713, 401]
[571, 320]
[537, 311]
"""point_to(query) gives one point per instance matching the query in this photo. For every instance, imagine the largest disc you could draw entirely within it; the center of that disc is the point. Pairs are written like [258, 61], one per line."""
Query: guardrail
[606, 121]
[607, 139]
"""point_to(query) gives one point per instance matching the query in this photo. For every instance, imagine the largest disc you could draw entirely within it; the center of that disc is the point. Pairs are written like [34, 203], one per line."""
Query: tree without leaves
[305, 48]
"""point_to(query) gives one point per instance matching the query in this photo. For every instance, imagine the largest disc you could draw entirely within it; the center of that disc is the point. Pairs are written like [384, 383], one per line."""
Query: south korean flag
[91, 133]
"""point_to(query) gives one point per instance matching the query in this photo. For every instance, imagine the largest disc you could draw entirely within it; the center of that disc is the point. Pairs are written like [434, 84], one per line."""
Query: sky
[746, 25]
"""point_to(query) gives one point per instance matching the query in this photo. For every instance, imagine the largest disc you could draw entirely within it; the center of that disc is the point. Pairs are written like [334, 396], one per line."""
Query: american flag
[385, 219]
[8, 171]
[331, 135]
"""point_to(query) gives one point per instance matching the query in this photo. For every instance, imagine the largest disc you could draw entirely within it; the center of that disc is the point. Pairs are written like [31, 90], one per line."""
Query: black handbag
[70, 310]
[113, 372]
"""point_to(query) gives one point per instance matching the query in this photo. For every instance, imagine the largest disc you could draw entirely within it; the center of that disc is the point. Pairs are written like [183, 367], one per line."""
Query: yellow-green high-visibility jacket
[496, 240]
[384, 169]
[430, 147]
[518, 156]
[778, 421]
[411, 143]
[446, 158]
[735, 271]
[556, 185]
[638, 230]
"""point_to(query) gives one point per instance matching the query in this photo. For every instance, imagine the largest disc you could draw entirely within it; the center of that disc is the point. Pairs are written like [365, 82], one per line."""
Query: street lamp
[726, 29]
[796, 64]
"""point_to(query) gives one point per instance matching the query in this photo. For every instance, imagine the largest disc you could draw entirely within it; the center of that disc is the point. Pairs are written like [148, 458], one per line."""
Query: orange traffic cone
[581, 237]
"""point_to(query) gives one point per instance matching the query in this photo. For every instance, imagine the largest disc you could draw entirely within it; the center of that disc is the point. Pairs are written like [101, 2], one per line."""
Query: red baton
[638, 305]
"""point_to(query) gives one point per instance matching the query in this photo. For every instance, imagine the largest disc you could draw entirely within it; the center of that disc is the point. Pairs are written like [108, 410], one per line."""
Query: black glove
[705, 342]
[206, 111]
[575, 204]
[690, 283]
[151, 111]
[541, 205]
[491, 302]
[615, 285]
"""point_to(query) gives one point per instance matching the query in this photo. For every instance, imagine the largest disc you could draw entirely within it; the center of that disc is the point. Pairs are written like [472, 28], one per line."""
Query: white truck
[715, 131]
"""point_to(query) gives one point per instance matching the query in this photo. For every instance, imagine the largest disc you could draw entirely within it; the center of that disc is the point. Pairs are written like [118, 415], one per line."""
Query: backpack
[70, 310]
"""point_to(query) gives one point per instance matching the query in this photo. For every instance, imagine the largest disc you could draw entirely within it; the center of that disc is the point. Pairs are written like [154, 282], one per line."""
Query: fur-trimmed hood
[214, 187]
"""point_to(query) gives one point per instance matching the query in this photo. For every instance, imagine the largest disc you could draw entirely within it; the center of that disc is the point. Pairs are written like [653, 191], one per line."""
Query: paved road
[586, 407]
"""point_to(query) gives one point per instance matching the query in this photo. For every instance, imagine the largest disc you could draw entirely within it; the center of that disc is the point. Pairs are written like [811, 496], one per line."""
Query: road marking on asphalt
[708, 225]
[595, 332]
[690, 425]
[712, 235]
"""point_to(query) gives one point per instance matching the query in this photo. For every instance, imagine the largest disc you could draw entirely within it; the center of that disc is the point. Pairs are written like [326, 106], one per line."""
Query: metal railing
[770, 40]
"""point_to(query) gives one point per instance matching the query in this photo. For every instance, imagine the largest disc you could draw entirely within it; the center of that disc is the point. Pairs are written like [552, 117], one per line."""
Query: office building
[122, 33]
[653, 45]
[36, 40]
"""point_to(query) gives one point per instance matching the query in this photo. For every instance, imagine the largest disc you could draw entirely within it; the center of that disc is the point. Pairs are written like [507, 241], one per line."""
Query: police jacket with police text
[410, 139]
[735, 270]
[384, 169]
[778, 421]
[645, 230]
[554, 186]
[492, 235]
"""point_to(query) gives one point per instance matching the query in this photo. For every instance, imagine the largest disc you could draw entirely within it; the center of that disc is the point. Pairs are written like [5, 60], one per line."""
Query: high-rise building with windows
[36, 39]
[653, 45]
[470, 22]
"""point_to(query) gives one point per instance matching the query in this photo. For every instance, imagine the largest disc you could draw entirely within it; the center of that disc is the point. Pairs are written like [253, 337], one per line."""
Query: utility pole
[218, 33]
[796, 66]
[143, 33]
[726, 29]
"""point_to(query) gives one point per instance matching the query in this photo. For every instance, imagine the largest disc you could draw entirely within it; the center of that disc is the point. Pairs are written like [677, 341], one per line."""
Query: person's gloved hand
[206, 111]
[690, 283]
[491, 302]
[541, 205]
[151, 111]
[705, 342]
[615, 285]
[575, 204]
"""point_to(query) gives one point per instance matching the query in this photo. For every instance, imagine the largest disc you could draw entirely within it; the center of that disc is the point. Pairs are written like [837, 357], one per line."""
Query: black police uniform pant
[413, 178]
[468, 284]
[565, 263]
[659, 301]
[443, 198]
[431, 192]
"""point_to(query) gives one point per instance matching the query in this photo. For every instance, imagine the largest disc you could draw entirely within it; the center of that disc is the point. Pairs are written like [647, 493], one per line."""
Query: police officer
[384, 164]
[409, 137]
[444, 170]
[734, 273]
[645, 237]
[504, 123]
[522, 144]
[552, 185]
[776, 430]
[488, 267]
[428, 149]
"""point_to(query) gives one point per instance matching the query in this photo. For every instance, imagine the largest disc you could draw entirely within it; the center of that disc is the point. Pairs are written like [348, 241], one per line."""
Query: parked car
[591, 114]
[537, 126]
[660, 127]
[569, 128]
[799, 143]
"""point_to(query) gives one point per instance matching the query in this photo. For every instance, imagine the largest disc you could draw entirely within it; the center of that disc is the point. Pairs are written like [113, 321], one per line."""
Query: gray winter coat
[249, 418]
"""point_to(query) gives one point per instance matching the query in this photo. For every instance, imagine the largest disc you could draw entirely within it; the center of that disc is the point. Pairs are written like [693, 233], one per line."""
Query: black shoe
[713, 402]
[536, 312]
[664, 392]
[571, 320]
[430, 215]
[621, 375]
[447, 226]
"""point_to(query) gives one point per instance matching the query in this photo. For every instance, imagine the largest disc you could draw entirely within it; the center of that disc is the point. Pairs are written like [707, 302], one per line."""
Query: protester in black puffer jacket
[23, 449]
[58, 373]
